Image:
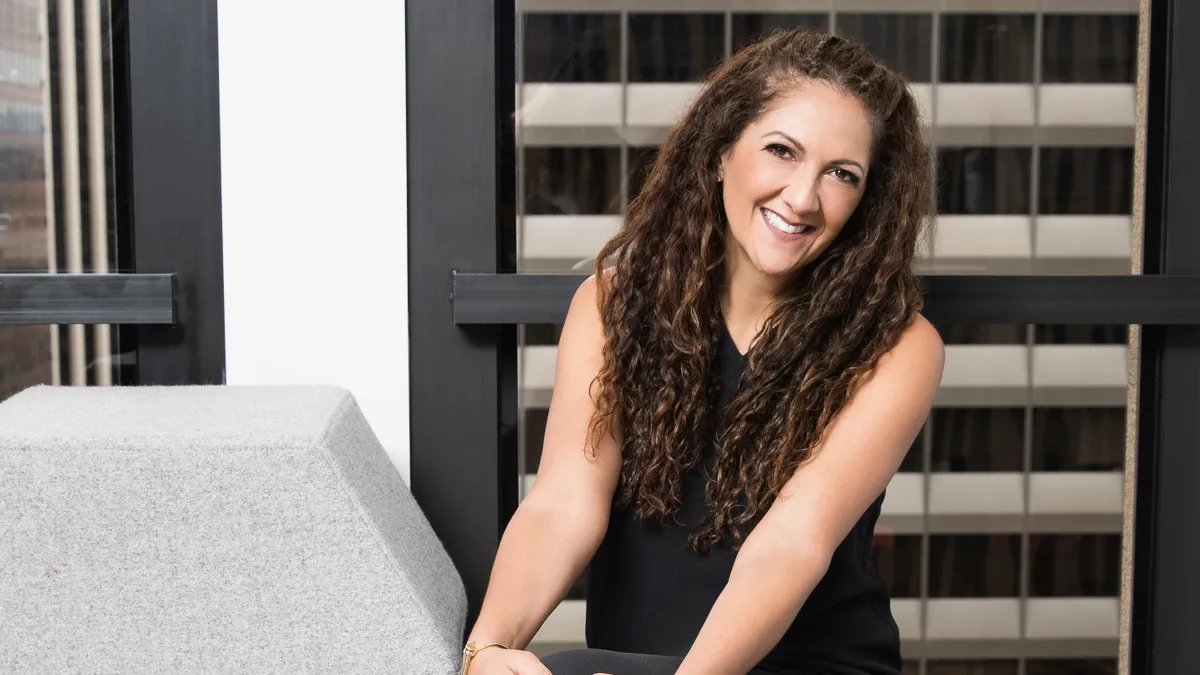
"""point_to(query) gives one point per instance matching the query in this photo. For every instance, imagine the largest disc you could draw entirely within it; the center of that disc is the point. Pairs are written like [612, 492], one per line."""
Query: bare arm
[789, 551]
[560, 523]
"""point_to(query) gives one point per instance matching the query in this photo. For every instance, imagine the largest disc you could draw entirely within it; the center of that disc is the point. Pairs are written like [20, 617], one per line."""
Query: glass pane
[641, 160]
[676, 47]
[978, 439]
[1078, 439]
[1075, 565]
[1085, 48]
[987, 47]
[56, 178]
[914, 461]
[1086, 181]
[974, 566]
[1017, 472]
[983, 181]
[897, 559]
[903, 41]
[750, 27]
[572, 181]
[572, 48]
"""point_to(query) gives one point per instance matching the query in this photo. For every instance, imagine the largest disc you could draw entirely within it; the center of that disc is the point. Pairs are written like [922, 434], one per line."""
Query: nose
[801, 193]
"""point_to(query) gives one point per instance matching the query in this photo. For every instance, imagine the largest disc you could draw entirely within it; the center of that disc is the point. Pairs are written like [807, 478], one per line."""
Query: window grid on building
[1001, 534]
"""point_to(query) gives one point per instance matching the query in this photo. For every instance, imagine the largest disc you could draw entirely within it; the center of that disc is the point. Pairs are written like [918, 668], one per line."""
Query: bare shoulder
[919, 353]
[584, 312]
[583, 317]
[581, 344]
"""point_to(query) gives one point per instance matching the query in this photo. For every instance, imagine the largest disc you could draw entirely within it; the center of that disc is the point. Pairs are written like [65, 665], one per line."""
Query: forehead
[825, 120]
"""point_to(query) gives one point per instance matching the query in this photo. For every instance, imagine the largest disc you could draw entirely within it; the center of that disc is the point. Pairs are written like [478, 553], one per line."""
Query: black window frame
[465, 305]
[167, 172]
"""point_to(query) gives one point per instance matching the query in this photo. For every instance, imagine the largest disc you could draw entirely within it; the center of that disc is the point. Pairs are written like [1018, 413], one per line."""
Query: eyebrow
[800, 147]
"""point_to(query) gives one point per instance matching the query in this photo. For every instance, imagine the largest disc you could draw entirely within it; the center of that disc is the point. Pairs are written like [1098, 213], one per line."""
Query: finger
[533, 666]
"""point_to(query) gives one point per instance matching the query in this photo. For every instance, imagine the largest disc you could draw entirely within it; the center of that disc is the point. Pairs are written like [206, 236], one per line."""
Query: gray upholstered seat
[213, 529]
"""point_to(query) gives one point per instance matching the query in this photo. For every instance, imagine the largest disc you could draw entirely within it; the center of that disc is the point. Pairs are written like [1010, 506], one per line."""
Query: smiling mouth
[776, 221]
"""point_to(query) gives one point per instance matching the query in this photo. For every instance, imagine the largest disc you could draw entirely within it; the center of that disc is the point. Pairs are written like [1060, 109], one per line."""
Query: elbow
[569, 517]
[802, 555]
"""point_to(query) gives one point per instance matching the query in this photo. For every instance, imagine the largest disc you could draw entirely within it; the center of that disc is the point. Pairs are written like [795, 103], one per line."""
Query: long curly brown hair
[660, 306]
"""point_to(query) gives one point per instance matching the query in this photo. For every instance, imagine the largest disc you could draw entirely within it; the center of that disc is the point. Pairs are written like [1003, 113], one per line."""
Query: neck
[747, 298]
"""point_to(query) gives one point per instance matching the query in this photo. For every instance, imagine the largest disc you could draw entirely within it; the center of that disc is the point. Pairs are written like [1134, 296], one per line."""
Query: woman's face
[794, 177]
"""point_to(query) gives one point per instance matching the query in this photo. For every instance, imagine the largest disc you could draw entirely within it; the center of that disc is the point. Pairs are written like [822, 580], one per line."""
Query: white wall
[313, 164]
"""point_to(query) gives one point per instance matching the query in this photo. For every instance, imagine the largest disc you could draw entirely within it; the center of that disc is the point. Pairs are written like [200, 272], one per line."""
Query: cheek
[840, 206]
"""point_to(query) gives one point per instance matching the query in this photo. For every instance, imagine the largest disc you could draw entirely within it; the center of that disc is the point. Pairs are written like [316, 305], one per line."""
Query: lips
[783, 226]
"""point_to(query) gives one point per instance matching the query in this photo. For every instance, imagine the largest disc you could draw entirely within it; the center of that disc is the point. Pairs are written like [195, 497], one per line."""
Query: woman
[735, 388]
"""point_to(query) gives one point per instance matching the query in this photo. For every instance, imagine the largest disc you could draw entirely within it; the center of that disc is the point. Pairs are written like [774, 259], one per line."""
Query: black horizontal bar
[978, 299]
[87, 299]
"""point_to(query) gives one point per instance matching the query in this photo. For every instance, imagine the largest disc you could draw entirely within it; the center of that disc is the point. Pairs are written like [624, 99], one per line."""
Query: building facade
[1001, 536]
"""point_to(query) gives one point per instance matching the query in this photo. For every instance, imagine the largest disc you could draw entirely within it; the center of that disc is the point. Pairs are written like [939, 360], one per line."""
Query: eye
[848, 177]
[779, 150]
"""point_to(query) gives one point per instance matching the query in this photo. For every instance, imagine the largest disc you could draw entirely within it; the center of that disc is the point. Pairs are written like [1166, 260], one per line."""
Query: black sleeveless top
[649, 593]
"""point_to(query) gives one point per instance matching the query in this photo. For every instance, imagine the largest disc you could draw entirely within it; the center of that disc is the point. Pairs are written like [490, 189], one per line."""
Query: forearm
[761, 599]
[543, 551]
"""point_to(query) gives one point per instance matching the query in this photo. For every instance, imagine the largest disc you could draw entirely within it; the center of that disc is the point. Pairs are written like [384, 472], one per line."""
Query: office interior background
[1001, 536]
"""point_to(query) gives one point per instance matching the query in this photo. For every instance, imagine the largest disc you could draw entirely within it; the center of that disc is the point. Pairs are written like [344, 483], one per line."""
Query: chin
[774, 266]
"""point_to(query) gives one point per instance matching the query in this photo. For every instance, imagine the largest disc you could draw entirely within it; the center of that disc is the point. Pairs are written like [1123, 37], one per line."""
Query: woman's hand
[506, 662]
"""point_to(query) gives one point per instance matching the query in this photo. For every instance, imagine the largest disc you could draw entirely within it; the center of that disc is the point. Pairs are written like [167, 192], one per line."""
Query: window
[978, 439]
[674, 47]
[1086, 181]
[983, 180]
[974, 565]
[750, 27]
[903, 41]
[1074, 565]
[572, 48]
[570, 181]
[1082, 48]
[1078, 439]
[987, 48]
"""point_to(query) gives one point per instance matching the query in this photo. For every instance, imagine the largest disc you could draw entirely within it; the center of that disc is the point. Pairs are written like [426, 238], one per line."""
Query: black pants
[591, 661]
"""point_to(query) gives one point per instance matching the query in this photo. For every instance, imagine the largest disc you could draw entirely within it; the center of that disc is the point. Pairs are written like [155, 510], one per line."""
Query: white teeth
[781, 224]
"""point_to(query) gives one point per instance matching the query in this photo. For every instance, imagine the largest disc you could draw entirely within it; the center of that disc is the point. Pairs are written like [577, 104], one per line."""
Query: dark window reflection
[903, 41]
[897, 559]
[1075, 565]
[974, 565]
[983, 181]
[534, 421]
[1078, 439]
[542, 334]
[674, 47]
[569, 181]
[748, 28]
[572, 47]
[1086, 181]
[981, 334]
[1081, 334]
[987, 48]
[978, 439]
[1081, 48]
[1071, 667]
[914, 461]
[641, 159]
[971, 668]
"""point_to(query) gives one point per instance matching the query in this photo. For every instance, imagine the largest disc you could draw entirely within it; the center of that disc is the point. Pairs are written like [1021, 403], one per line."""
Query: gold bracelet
[471, 650]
